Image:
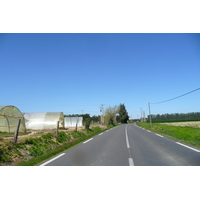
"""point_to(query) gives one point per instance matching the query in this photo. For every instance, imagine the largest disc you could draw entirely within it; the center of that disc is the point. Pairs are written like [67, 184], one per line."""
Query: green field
[187, 135]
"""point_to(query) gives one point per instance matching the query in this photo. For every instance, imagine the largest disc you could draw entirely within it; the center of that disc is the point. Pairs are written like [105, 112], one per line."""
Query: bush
[87, 123]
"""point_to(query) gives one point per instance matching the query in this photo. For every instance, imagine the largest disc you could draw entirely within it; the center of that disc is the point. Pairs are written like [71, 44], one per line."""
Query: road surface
[128, 145]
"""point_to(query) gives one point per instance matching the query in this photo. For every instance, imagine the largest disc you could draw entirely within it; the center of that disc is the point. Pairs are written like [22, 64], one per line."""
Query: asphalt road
[128, 145]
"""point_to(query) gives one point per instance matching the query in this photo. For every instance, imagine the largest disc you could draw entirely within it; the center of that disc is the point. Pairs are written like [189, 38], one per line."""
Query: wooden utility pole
[77, 123]
[141, 115]
[150, 115]
[102, 113]
[17, 131]
[57, 128]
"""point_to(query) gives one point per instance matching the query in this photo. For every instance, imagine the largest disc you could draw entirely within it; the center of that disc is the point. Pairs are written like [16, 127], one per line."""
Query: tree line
[176, 116]
[111, 115]
[116, 114]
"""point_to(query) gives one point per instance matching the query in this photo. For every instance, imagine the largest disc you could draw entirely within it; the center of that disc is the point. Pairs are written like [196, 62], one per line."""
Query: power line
[176, 97]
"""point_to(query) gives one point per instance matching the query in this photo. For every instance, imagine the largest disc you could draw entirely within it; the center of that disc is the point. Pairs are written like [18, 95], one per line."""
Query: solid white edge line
[188, 147]
[87, 140]
[131, 163]
[62, 154]
[159, 135]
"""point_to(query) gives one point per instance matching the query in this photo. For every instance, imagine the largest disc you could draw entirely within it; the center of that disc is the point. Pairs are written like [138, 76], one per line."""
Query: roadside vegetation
[32, 151]
[185, 134]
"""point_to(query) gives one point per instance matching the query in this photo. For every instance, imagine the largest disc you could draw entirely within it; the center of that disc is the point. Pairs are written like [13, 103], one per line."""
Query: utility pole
[150, 116]
[102, 113]
[144, 116]
[141, 114]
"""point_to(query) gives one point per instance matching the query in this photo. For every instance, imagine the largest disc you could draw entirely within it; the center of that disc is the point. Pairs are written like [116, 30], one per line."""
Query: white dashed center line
[130, 160]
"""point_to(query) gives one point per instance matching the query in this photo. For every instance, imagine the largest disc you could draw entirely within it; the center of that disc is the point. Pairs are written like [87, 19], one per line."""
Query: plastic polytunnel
[9, 117]
[72, 121]
[47, 120]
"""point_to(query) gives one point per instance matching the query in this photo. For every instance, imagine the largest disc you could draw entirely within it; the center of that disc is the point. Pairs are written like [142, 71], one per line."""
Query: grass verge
[65, 143]
[187, 135]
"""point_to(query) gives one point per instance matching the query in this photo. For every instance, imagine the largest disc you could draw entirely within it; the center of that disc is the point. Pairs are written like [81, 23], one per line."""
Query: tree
[110, 115]
[95, 119]
[123, 114]
[86, 120]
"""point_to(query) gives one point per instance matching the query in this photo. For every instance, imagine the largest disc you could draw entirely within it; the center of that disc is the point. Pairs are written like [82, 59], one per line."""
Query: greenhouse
[47, 120]
[9, 117]
[72, 121]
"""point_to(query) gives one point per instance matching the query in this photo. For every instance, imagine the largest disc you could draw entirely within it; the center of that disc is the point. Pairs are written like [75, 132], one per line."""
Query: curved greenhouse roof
[9, 117]
[47, 120]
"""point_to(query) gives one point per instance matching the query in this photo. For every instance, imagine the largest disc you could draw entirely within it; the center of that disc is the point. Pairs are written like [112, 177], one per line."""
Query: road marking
[130, 160]
[62, 154]
[148, 131]
[159, 135]
[188, 147]
[87, 140]
[131, 163]
[127, 142]
[101, 133]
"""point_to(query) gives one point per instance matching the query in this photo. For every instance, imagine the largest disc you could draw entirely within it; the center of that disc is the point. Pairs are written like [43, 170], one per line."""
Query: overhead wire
[176, 97]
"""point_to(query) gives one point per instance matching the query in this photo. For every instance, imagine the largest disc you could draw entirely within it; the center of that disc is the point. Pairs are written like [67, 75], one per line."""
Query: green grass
[5, 134]
[32, 151]
[187, 135]
[64, 141]
[48, 155]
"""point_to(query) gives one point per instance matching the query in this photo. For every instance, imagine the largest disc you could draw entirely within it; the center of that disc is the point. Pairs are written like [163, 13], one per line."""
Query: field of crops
[194, 124]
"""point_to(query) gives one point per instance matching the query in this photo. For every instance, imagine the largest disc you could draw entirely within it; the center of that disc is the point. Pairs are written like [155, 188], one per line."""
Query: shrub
[87, 123]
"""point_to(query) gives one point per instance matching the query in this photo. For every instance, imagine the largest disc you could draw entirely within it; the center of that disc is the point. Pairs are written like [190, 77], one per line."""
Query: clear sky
[76, 73]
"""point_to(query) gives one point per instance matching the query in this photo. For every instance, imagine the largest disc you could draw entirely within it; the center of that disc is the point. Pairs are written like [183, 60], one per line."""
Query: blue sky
[75, 73]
